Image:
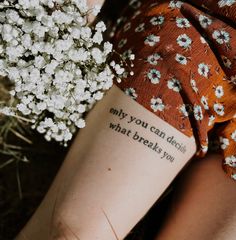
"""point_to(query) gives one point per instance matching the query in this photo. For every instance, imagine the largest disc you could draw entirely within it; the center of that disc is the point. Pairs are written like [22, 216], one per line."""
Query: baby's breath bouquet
[57, 63]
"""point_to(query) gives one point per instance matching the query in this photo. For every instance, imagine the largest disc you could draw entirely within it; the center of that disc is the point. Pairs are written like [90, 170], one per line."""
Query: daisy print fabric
[184, 68]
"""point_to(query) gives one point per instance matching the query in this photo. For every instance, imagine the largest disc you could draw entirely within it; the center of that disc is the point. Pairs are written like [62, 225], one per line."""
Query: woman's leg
[204, 206]
[114, 172]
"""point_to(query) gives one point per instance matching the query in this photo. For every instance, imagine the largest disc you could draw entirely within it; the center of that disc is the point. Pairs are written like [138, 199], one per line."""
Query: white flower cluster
[58, 63]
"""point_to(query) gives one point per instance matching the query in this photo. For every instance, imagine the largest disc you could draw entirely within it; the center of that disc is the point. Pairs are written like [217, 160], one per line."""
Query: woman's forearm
[117, 167]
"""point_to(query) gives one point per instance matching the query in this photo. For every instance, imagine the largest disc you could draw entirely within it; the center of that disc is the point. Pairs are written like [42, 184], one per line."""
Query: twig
[18, 180]
[20, 136]
[7, 162]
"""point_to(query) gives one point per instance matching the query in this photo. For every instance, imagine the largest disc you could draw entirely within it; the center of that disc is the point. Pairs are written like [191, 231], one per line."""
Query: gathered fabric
[184, 67]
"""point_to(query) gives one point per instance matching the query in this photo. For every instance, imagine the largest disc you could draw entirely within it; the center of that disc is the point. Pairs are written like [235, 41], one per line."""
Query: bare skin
[105, 185]
[205, 204]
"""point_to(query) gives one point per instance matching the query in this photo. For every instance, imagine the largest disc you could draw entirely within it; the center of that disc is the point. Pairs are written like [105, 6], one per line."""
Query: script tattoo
[121, 125]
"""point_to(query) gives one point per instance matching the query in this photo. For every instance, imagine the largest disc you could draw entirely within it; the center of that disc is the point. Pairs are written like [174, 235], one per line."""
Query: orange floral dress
[184, 67]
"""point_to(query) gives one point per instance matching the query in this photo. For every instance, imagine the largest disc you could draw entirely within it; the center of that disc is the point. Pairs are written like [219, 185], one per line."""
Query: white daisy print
[184, 41]
[154, 76]
[197, 110]
[233, 135]
[138, 12]
[154, 58]
[183, 110]
[221, 36]
[152, 40]
[219, 91]
[135, 4]
[122, 43]
[194, 85]
[174, 84]
[204, 148]
[204, 102]
[203, 70]
[233, 176]
[181, 59]
[175, 4]
[224, 142]
[211, 120]
[203, 40]
[231, 161]
[140, 27]
[159, 20]
[227, 63]
[223, 3]
[233, 79]
[131, 92]
[182, 22]
[204, 21]
[157, 104]
[219, 109]
[127, 54]
[127, 26]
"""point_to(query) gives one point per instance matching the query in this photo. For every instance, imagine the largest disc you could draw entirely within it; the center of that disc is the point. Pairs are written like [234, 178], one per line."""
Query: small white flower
[221, 36]
[64, 73]
[203, 40]
[154, 76]
[128, 54]
[203, 70]
[233, 135]
[211, 120]
[174, 84]
[122, 43]
[183, 110]
[204, 148]
[233, 176]
[219, 109]
[194, 85]
[227, 63]
[182, 22]
[231, 161]
[181, 59]
[127, 26]
[184, 41]
[98, 55]
[23, 108]
[219, 91]
[154, 58]
[7, 111]
[131, 92]
[233, 79]
[97, 37]
[159, 20]
[223, 3]
[152, 40]
[157, 104]
[224, 142]
[175, 4]
[204, 102]
[204, 21]
[135, 3]
[140, 27]
[198, 112]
